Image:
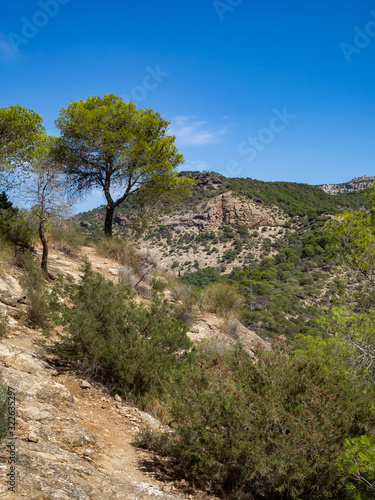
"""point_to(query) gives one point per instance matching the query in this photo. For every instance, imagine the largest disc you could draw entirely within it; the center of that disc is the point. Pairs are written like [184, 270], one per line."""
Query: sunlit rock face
[356, 184]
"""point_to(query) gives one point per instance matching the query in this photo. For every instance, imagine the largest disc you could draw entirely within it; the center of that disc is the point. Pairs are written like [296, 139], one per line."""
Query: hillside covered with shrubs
[292, 417]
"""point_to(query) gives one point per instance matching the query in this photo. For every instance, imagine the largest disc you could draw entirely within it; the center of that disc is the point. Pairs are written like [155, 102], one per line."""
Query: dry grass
[222, 299]
[66, 237]
[7, 258]
[121, 251]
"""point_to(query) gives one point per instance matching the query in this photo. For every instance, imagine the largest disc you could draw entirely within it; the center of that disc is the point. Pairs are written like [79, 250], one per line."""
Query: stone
[118, 398]
[32, 437]
[85, 385]
[78, 436]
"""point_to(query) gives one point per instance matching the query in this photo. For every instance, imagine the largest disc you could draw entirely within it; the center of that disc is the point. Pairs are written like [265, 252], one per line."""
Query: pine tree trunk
[109, 220]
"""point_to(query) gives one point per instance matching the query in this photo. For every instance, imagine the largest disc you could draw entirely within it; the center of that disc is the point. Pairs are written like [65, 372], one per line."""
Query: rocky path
[73, 440]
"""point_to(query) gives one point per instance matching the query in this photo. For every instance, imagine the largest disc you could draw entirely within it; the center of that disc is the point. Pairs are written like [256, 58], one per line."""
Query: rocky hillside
[226, 223]
[73, 439]
[356, 184]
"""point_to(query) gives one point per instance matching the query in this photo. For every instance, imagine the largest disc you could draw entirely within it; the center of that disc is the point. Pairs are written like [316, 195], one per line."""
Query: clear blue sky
[223, 72]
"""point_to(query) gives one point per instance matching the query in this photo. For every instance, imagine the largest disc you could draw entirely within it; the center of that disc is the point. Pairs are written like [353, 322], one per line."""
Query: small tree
[45, 192]
[352, 240]
[20, 132]
[109, 144]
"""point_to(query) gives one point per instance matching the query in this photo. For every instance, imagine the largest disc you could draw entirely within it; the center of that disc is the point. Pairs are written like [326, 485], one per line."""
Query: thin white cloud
[189, 130]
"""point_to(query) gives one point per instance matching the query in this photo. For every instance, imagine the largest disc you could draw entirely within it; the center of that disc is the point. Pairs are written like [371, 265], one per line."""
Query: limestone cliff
[225, 208]
[356, 184]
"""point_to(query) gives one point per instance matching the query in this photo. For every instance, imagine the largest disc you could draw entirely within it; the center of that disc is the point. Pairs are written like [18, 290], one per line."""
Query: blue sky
[264, 89]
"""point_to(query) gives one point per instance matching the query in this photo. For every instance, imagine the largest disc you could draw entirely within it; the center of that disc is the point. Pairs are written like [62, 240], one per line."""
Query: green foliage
[271, 429]
[352, 241]
[295, 198]
[358, 462]
[4, 427]
[201, 277]
[222, 299]
[131, 150]
[278, 286]
[4, 325]
[130, 347]
[16, 226]
[20, 132]
[22, 229]
[7, 215]
[350, 346]
[158, 284]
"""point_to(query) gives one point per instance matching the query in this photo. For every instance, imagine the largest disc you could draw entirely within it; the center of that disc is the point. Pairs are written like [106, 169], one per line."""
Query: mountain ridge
[356, 184]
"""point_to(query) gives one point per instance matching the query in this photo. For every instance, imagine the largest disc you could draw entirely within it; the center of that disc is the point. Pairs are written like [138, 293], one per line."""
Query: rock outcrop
[356, 184]
[225, 208]
[234, 210]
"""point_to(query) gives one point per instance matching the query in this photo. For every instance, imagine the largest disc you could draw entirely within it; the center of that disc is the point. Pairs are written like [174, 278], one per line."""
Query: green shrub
[222, 298]
[4, 325]
[130, 347]
[3, 411]
[159, 284]
[201, 277]
[23, 229]
[358, 462]
[271, 429]
[7, 212]
[7, 255]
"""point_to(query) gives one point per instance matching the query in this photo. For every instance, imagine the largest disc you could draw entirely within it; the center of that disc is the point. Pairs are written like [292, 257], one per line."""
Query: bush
[4, 325]
[33, 281]
[7, 212]
[271, 429]
[126, 274]
[202, 277]
[223, 299]
[128, 346]
[159, 283]
[3, 411]
[23, 229]
[189, 298]
[6, 256]
[358, 462]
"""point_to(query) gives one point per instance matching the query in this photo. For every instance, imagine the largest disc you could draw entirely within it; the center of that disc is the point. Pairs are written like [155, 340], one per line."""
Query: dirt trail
[75, 442]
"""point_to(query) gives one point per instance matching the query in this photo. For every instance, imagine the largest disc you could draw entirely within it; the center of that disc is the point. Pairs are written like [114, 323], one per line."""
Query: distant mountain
[356, 184]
